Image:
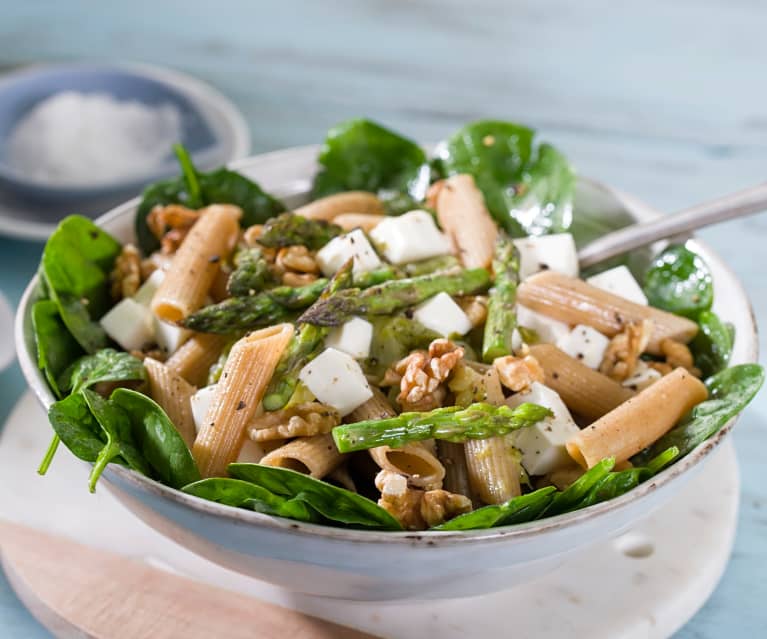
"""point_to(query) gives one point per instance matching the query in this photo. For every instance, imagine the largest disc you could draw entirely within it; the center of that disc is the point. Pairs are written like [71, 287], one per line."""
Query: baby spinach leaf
[120, 445]
[712, 346]
[528, 192]
[160, 443]
[730, 391]
[77, 427]
[679, 281]
[106, 365]
[333, 503]
[243, 494]
[360, 155]
[515, 511]
[195, 190]
[569, 498]
[56, 348]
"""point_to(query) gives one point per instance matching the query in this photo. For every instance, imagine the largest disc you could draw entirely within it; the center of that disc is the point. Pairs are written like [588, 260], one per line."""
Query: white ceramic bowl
[364, 565]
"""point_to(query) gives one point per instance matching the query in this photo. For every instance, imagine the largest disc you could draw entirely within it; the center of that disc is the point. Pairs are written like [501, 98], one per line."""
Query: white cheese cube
[352, 337]
[250, 453]
[585, 344]
[547, 252]
[355, 245]
[442, 315]
[145, 294]
[410, 237]
[201, 402]
[543, 444]
[549, 330]
[337, 380]
[169, 336]
[619, 281]
[129, 324]
[642, 377]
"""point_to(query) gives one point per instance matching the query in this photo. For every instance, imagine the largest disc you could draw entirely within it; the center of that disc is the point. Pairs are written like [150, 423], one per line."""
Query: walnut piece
[518, 373]
[301, 420]
[422, 374]
[170, 224]
[438, 506]
[622, 354]
[296, 258]
[475, 307]
[126, 274]
[678, 354]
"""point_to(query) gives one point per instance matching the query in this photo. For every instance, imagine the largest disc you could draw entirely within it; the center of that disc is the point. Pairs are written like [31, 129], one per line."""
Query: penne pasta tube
[585, 391]
[173, 393]
[193, 359]
[463, 216]
[365, 221]
[453, 458]
[316, 456]
[196, 263]
[247, 372]
[416, 460]
[573, 301]
[639, 422]
[493, 465]
[327, 208]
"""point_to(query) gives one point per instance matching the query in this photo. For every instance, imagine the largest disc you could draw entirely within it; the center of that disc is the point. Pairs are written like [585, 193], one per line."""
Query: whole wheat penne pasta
[585, 391]
[193, 270]
[453, 458]
[246, 374]
[640, 421]
[193, 359]
[341, 477]
[315, 456]
[573, 301]
[365, 221]
[173, 393]
[563, 477]
[492, 464]
[463, 216]
[327, 208]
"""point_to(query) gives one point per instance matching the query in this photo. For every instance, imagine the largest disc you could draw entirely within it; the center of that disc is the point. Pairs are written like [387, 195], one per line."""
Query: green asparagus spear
[393, 296]
[289, 229]
[453, 424]
[251, 273]
[501, 317]
[303, 347]
[430, 265]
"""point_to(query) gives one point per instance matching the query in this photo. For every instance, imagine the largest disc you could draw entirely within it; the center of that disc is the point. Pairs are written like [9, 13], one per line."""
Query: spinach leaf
[360, 155]
[333, 503]
[712, 346]
[106, 365]
[243, 494]
[77, 427]
[528, 192]
[119, 444]
[515, 511]
[160, 443]
[568, 499]
[679, 281]
[56, 348]
[195, 190]
[730, 391]
[74, 267]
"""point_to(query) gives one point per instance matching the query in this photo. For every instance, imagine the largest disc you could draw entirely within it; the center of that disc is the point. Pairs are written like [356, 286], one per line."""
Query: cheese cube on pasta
[355, 245]
[169, 336]
[410, 237]
[543, 444]
[619, 281]
[129, 324]
[585, 344]
[642, 377]
[336, 379]
[145, 294]
[442, 315]
[352, 337]
[549, 330]
[201, 401]
[547, 252]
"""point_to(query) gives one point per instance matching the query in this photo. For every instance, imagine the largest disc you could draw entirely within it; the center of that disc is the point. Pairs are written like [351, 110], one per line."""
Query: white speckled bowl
[363, 565]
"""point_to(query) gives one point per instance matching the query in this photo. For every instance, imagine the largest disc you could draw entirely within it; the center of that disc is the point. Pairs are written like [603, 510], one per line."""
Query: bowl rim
[138, 482]
[207, 101]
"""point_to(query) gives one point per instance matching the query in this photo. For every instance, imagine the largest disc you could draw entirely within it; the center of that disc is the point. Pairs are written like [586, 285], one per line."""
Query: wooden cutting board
[75, 590]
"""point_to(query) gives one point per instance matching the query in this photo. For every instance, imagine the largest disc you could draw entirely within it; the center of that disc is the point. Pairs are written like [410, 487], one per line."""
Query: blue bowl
[21, 91]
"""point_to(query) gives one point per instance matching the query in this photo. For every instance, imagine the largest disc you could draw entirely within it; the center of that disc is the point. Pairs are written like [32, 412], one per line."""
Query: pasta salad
[414, 348]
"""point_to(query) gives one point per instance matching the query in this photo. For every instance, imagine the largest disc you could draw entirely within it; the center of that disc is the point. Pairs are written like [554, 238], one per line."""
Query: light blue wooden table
[665, 100]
